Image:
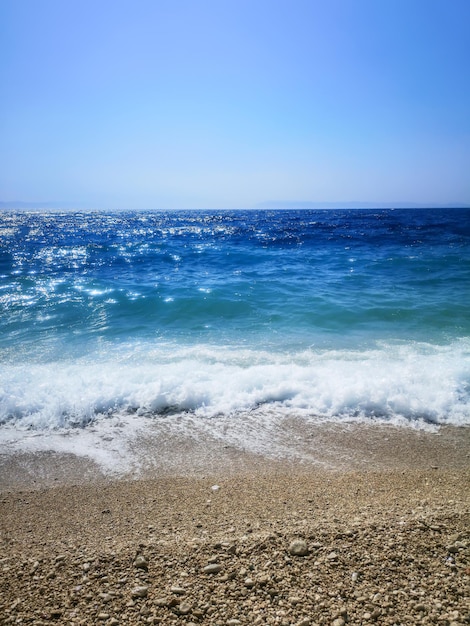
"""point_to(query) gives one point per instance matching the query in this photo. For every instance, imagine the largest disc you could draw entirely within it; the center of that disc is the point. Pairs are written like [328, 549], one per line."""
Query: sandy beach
[376, 530]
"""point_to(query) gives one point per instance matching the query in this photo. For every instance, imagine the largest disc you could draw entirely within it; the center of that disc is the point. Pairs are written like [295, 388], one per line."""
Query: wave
[407, 383]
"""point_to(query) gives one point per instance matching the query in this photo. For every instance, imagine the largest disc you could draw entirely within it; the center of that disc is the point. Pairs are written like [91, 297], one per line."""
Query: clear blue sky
[231, 103]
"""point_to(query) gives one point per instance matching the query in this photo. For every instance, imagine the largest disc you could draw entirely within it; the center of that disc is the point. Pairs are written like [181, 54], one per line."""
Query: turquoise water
[340, 314]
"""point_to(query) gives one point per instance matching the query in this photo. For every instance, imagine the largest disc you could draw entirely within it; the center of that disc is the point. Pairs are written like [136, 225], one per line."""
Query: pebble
[213, 559]
[212, 568]
[184, 608]
[339, 621]
[139, 592]
[106, 597]
[141, 562]
[298, 547]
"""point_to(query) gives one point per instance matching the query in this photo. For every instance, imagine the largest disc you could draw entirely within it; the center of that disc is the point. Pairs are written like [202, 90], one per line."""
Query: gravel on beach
[287, 546]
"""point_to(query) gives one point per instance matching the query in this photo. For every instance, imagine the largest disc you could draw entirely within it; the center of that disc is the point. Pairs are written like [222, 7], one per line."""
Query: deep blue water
[343, 314]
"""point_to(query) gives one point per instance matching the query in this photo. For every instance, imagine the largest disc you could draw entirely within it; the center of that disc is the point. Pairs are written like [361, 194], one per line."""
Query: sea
[112, 321]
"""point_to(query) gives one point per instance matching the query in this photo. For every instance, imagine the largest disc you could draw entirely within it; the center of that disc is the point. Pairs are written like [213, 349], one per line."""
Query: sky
[156, 104]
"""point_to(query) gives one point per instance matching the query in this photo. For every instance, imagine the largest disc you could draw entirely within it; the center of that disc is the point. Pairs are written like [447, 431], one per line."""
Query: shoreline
[384, 544]
[161, 449]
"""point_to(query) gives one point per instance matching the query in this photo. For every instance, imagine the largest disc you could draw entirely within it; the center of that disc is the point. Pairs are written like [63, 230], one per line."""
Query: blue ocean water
[331, 314]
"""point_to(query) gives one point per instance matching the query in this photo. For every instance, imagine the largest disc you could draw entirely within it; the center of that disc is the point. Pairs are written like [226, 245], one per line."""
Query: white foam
[107, 442]
[99, 407]
[96, 406]
[410, 382]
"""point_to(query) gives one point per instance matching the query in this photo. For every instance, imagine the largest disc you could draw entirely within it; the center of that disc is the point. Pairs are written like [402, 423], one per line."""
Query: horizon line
[269, 204]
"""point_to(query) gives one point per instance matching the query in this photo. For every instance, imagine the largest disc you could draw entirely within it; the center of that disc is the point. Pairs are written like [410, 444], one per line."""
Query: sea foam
[407, 383]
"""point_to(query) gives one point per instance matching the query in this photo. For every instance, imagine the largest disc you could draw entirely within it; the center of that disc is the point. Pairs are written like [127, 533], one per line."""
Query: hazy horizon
[269, 205]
